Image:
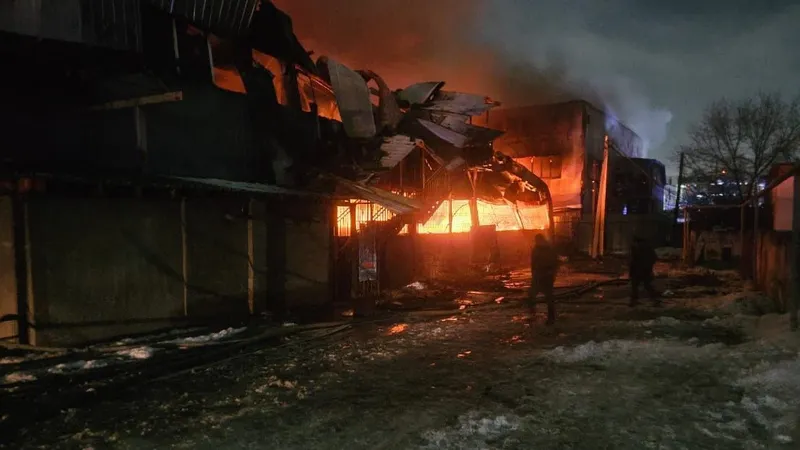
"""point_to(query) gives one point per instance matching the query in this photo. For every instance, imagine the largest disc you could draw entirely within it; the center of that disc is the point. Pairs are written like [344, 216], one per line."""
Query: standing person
[643, 258]
[544, 266]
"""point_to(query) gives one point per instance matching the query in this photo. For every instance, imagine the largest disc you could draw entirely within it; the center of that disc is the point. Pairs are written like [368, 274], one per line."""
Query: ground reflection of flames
[397, 329]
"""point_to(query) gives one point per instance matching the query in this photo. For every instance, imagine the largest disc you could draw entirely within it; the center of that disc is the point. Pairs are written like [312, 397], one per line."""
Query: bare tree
[739, 141]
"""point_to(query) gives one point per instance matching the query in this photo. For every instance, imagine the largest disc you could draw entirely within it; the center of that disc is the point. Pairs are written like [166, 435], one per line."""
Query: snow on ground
[219, 335]
[607, 376]
[18, 377]
[472, 430]
[137, 352]
[643, 394]
[76, 366]
[11, 360]
[155, 337]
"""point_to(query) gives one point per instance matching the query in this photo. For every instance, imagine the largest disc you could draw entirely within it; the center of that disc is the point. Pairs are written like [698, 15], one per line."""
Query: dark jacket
[643, 258]
[544, 261]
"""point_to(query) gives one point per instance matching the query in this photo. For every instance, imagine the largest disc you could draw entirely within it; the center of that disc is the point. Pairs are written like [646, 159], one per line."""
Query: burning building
[174, 162]
[564, 144]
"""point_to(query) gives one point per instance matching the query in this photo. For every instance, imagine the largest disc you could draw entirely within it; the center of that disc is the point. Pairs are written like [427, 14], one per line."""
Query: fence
[773, 265]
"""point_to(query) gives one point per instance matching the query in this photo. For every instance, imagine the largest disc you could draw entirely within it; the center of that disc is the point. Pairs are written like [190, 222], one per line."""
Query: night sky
[654, 64]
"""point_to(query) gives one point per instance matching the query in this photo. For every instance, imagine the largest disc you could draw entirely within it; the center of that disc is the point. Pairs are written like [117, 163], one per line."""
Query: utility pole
[598, 235]
[794, 294]
[678, 193]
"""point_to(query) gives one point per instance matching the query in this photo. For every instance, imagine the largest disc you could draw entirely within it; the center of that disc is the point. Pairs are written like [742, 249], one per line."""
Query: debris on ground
[489, 378]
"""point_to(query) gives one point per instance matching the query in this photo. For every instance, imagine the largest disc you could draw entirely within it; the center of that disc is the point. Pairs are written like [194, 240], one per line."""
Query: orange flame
[505, 216]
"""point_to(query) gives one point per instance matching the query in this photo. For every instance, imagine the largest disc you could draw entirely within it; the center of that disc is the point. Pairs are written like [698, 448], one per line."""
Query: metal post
[354, 253]
[422, 168]
[754, 267]
[22, 269]
[251, 260]
[742, 220]
[686, 237]
[450, 215]
[473, 200]
[184, 258]
[794, 295]
[678, 193]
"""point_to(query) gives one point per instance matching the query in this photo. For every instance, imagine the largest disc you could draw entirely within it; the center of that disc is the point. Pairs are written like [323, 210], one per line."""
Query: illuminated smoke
[486, 47]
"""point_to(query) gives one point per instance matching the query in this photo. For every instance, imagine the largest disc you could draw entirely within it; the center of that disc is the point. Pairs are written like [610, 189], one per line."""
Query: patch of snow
[222, 334]
[11, 360]
[153, 337]
[664, 321]
[472, 431]
[289, 324]
[417, 286]
[590, 350]
[749, 302]
[774, 397]
[76, 366]
[18, 377]
[137, 353]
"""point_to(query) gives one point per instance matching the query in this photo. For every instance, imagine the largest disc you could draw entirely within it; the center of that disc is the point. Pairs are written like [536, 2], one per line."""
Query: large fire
[452, 216]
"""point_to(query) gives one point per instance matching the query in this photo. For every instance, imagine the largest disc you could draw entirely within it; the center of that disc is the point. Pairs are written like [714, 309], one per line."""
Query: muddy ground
[702, 371]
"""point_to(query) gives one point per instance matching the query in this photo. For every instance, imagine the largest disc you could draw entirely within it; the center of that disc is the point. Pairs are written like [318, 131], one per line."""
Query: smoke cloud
[493, 48]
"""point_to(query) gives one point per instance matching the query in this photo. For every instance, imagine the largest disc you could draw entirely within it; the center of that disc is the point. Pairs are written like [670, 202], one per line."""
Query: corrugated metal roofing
[393, 202]
[240, 186]
[107, 23]
[397, 147]
[419, 93]
[460, 103]
[230, 16]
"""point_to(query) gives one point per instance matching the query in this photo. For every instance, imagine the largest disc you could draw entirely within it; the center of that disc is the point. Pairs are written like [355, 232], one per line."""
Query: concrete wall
[8, 284]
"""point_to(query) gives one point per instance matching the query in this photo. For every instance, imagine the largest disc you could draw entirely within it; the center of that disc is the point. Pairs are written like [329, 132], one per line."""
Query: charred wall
[308, 258]
[207, 134]
[103, 267]
[8, 284]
